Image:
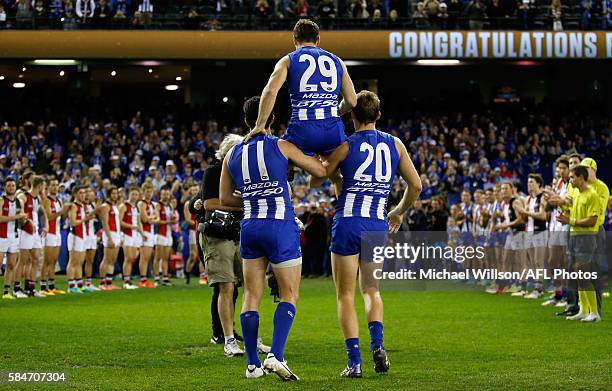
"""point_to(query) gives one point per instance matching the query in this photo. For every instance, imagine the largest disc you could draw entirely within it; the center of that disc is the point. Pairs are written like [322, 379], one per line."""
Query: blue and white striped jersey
[259, 170]
[367, 175]
[315, 82]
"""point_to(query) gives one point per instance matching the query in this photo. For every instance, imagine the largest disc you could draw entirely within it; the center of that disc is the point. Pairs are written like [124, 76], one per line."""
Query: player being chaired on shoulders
[316, 79]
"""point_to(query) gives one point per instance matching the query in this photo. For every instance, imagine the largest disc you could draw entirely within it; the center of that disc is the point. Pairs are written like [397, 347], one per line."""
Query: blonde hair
[228, 143]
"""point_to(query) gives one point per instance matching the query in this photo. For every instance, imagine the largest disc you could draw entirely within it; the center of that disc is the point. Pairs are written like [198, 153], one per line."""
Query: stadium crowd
[453, 154]
[281, 14]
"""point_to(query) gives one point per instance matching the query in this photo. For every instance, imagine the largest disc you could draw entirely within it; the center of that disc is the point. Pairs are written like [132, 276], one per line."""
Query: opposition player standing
[9, 237]
[316, 78]
[268, 235]
[368, 162]
[111, 238]
[131, 226]
[77, 240]
[92, 239]
[53, 241]
[146, 210]
[557, 232]
[194, 256]
[535, 230]
[30, 241]
[164, 218]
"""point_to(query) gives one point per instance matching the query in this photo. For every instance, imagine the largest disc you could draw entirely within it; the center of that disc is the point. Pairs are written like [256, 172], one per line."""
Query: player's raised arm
[413, 180]
[268, 96]
[227, 186]
[349, 96]
[308, 163]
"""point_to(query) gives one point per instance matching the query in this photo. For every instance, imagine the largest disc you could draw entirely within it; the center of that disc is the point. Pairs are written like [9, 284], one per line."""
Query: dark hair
[536, 177]
[574, 155]
[306, 30]
[51, 179]
[251, 112]
[581, 171]
[367, 108]
[165, 187]
[9, 179]
[563, 159]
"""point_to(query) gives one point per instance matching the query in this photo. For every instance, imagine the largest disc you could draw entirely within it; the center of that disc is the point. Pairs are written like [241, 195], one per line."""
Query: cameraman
[221, 257]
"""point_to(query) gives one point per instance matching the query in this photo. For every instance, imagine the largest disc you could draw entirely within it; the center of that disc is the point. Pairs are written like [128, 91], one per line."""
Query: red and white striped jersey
[9, 208]
[165, 213]
[80, 230]
[148, 227]
[90, 224]
[30, 208]
[130, 217]
[113, 218]
[54, 225]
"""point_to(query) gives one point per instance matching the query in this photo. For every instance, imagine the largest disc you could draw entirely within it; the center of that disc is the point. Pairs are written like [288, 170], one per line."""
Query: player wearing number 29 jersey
[317, 79]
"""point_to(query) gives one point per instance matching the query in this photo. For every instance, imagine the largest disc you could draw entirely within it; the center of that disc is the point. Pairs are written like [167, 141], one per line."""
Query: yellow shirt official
[603, 193]
[584, 204]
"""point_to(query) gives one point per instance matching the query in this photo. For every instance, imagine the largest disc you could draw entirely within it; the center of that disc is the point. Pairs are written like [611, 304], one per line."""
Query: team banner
[271, 45]
[500, 44]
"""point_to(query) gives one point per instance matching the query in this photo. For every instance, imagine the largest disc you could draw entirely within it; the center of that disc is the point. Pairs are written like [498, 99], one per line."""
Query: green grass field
[159, 339]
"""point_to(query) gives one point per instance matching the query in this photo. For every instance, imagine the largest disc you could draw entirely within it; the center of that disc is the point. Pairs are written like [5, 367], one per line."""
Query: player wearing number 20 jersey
[317, 79]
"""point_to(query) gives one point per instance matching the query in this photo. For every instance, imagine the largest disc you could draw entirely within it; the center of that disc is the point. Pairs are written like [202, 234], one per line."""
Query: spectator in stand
[326, 9]
[2, 17]
[420, 17]
[431, 9]
[586, 15]
[301, 9]
[393, 22]
[417, 218]
[85, 10]
[454, 10]
[376, 19]
[374, 5]
[56, 12]
[358, 10]
[262, 9]
[476, 12]
[102, 16]
[524, 14]
[556, 14]
[441, 20]
[146, 10]
[496, 13]
[606, 17]
[24, 14]
[122, 9]
[40, 14]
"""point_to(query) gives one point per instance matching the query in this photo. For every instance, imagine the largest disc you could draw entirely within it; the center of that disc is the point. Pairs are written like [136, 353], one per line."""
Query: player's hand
[111, 244]
[198, 204]
[254, 132]
[563, 218]
[395, 221]
[21, 216]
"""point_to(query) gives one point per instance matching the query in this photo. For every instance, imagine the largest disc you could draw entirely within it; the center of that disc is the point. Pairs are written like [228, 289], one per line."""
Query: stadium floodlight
[19, 85]
[438, 62]
[58, 62]
[171, 87]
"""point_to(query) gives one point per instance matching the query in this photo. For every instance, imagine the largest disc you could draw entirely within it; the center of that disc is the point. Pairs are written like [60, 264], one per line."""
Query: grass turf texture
[159, 339]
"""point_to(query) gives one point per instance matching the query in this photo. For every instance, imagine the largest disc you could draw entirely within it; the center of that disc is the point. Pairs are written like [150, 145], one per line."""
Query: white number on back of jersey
[327, 68]
[261, 163]
[381, 149]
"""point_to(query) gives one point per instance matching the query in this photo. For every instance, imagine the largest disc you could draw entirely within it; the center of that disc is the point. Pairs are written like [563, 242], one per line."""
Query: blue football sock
[283, 319]
[376, 335]
[250, 328]
[352, 350]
